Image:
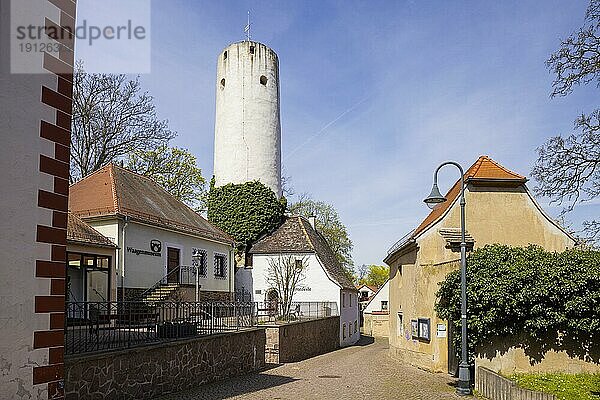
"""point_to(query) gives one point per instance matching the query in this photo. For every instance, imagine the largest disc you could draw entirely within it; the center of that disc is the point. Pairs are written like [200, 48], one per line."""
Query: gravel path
[363, 371]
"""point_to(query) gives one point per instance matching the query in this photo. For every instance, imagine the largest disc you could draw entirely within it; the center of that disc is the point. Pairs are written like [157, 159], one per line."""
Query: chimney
[313, 221]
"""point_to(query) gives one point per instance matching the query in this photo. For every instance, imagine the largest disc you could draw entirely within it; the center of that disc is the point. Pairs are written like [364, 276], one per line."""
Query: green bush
[245, 211]
[527, 297]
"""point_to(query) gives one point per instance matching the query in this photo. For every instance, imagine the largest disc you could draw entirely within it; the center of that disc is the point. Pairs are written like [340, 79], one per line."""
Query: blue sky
[375, 94]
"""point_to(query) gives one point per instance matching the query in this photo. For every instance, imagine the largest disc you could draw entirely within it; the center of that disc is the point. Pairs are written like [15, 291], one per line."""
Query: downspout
[231, 273]
[123, 250]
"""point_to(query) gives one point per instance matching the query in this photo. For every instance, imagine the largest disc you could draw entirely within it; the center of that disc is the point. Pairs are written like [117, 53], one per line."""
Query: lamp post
[435, 198]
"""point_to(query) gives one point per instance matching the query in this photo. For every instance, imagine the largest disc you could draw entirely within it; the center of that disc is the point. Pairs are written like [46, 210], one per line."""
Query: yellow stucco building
[500, 209]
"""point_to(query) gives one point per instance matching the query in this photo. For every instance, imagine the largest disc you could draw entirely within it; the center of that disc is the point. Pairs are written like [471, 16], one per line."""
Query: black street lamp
[435, 197]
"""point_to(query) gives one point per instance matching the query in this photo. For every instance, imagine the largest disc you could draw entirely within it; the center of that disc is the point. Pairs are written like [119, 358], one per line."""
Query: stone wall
[149, 371]
[296, 341]
[496, 387]
[502, 358]
[377, 325]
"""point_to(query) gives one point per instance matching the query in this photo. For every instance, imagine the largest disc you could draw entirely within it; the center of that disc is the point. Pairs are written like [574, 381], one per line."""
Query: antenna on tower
[247, 28]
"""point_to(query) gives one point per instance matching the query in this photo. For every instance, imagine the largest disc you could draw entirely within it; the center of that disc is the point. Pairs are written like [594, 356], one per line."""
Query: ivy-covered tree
[527, 297]
[245, 211]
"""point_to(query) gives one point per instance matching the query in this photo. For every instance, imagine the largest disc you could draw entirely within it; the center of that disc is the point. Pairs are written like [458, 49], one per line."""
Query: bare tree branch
[285, 273]
[111, 118]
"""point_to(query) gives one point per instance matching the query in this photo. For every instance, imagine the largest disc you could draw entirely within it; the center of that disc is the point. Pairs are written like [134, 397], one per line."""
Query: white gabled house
[376, 313]
[161, 241]
[325, 279]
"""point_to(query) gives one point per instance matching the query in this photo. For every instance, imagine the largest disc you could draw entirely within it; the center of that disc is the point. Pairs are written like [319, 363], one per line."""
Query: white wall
[21, 112]
[382, 295]
[247, 122]
[322, 288]
[143, 271]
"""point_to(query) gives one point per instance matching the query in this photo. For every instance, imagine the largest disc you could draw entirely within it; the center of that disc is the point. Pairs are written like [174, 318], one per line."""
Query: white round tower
[247, 124]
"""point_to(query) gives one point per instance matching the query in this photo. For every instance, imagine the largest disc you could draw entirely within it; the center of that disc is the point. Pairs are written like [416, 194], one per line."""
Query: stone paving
[363, 371]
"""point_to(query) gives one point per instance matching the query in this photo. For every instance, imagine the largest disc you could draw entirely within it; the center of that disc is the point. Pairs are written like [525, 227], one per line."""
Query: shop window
[220, 266]
[88, 277]
[199, 262]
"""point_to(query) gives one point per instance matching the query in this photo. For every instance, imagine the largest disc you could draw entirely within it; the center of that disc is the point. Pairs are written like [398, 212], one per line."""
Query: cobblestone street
[364, 371]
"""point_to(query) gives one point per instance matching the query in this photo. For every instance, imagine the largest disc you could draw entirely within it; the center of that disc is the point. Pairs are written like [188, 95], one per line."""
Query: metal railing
[298, 311]
[101, 326]
[115, 325]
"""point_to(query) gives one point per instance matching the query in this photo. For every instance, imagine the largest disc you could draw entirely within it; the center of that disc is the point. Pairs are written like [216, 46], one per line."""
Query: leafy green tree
[329, 225]
[245, 211]
[173, 168]
[568, 168]
[376, 275]
[529, 298]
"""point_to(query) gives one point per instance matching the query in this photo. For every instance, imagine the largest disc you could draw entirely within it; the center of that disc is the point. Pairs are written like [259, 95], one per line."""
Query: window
[350, 329]
[384, 305]
[220, 266]
[350, 295]
[344, 331]
[251, 49]
[88, 277]
[343, 300]
[225, 55]
[299, 264]
[263, 80]
[355, 326]
[400, 325]
[199, 262]
[223, 83]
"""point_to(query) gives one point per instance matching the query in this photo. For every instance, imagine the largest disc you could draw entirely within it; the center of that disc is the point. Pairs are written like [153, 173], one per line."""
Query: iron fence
[297, 311]
[105, 326]
[100, 326]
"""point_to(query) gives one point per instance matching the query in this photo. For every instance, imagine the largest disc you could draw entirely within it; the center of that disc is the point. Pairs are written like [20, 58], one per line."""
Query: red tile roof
[78, 232]
[484, 170]
[114, 190]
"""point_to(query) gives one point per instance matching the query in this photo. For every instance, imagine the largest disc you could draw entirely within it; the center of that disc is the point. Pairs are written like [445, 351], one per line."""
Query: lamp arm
[462, 177]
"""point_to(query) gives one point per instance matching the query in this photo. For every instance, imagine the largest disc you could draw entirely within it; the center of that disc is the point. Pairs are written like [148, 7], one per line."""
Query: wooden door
[172, 265]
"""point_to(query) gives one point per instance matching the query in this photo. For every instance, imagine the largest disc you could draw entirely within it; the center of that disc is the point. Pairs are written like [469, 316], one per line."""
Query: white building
[325, 279]
[90, 263]
[376, 313]
[162, 242]
[247, 121]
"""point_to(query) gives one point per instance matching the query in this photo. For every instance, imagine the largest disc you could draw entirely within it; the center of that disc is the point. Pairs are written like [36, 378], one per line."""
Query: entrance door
[172, 265]
[452, 354]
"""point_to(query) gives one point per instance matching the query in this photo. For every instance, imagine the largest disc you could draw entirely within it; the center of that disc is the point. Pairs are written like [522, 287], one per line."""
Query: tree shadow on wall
[582, 347]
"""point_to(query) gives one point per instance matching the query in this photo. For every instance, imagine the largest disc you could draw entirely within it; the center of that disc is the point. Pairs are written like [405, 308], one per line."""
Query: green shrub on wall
[245, 211]
[529, 298]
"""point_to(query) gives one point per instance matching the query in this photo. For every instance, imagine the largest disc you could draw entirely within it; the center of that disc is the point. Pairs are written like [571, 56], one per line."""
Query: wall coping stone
[276, 325]
[98, 355]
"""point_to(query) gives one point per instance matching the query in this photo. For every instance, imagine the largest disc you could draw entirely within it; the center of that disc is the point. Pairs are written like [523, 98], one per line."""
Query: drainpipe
[231, 272]
[123, 250]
